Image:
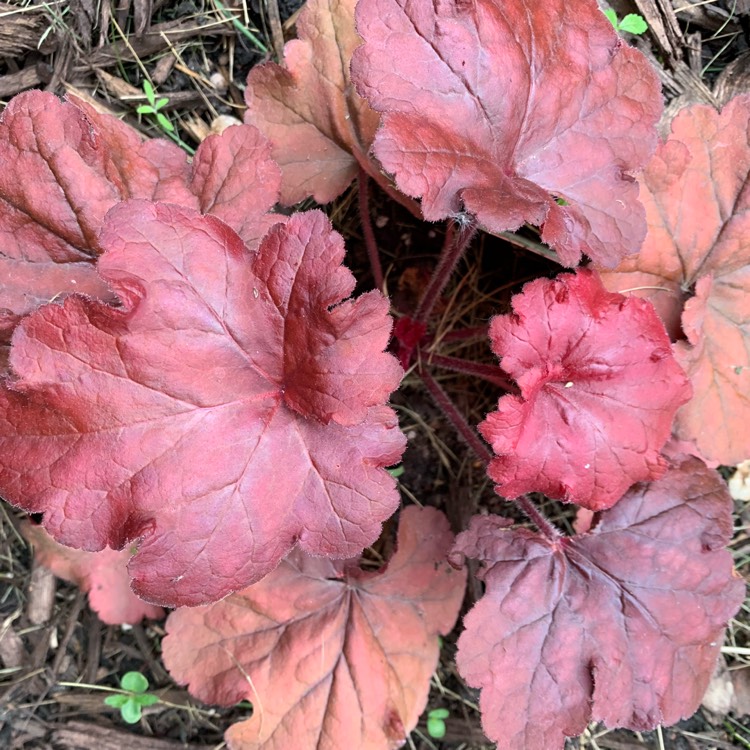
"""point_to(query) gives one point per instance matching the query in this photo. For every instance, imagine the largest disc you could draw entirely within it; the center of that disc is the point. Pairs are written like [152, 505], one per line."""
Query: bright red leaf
[621, 625]
[599, 389]
[696, 198]
[102, 574]
[231, 409]
[320, 128]
[502, 107]
[330, 655]
[63, 166]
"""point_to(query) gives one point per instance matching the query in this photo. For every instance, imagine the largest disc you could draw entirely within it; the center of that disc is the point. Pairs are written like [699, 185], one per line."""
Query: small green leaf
[612, 17]
[117, 701]
[161, 102]
[439, 713]
[561, 202]
[436, 728]
[396, 471]
[148, 90]
[134, 682]
[164, 122]
[147, 699]
[131, 711]
[145, 109]
[633, 24]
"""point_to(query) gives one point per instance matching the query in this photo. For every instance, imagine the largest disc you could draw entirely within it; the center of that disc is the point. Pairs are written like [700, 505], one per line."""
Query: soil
[48, 636]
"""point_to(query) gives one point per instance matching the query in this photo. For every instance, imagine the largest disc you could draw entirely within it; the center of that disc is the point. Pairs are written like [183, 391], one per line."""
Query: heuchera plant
[189, 381]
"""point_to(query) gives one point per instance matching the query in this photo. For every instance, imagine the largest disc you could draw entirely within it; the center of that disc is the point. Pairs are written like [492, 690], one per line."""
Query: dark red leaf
[103, 575]
[331, 656]
[621, 625]
[230, 409]
[503, 107]
[64, 165]
[599, 389]
[696, 198]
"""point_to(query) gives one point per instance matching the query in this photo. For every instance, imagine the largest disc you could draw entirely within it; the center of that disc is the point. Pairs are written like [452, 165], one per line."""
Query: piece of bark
[26, 78]
[662, 22]
[12, 651]
[152, 42]
[41, 595]
[734, 79]
[78, 735]
[21, 30]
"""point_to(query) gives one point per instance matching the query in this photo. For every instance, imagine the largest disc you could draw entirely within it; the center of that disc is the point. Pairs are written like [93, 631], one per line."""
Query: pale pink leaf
[696, 198]
[331, 656]
[321, 130]
[103, 575]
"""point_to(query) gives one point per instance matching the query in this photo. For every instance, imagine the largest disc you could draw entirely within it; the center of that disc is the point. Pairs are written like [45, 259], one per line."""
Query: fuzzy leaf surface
[232, 407]
[586, 426]
[63, 165]
[621, 625]
[695, 190]
[501, 107]
[103, 575]
[342, 660]
[320, 128]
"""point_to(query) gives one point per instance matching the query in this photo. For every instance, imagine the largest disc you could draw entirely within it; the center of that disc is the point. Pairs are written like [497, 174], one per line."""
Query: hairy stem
[469, 434]
[457, 239]
[538, 518]
[459, 334]
[535, 247]
[367, 230]
[464, 429]
[491, 373]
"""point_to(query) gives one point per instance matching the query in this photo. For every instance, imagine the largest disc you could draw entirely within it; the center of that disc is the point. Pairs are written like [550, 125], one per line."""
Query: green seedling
[154, 106]
[632, 23]
[132, 697]
[436, 722]
[396, 471]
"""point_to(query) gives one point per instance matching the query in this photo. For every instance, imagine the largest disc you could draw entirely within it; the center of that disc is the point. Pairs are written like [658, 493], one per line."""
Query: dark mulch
[199, 58]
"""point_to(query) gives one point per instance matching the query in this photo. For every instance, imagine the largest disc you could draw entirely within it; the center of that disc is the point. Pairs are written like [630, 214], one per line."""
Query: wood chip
[41, 595]
[77, 735]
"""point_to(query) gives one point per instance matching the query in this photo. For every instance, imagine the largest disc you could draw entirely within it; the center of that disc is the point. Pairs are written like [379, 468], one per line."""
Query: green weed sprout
[132, 698]
[436, 722]
[153, 107]
[632, 23]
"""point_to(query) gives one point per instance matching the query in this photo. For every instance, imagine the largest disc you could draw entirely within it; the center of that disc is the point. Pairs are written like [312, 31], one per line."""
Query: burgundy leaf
[696, 198]
[599, 389]
[331, 656]
[320, 128]
[503, 107]
[231, 409]
[64, 165]
[621, 625]
[103, 575]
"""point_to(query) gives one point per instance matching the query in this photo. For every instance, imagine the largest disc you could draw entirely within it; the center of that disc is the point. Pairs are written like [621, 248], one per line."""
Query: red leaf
[231, 409]
[64, 165]
[342, 659]
[502, 107]
[622, 625]
[599, 389]
[696, 198]
[320, 128]
[235, 179]
[102, 574]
